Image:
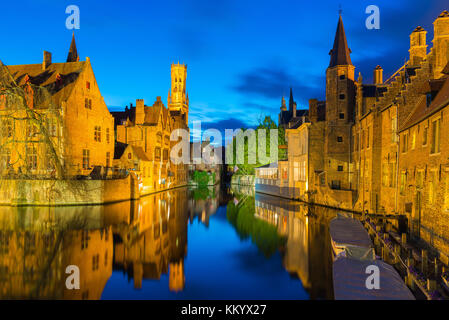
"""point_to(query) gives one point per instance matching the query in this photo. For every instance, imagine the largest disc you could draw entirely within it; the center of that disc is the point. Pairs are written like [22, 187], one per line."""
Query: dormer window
[428, 99]
[58, 80]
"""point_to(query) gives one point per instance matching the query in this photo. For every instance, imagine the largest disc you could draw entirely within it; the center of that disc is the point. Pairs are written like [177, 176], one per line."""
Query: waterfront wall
[68, 192]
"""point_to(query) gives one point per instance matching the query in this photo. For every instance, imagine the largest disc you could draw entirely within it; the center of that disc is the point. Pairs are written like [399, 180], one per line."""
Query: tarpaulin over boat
[350, 277]
[346, 231]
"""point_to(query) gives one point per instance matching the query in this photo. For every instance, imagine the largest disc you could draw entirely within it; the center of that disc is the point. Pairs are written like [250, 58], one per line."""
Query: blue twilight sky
[242, 55]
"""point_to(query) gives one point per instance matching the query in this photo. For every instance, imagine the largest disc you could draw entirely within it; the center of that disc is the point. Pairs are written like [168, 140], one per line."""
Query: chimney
[313, 110]
[140, 111]
[418, 46]
[440, 44]
[47, 60]
[378, 75]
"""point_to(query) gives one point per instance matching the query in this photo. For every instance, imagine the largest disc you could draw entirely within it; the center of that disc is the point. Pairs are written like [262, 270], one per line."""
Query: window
[428, 99]
[87, 103]
[392, 175]
[51, 125]
[336, 184]
[107, 135]
[296, 171]
[97, 134]
[108, 159]
[87, 85]
[419, 179]
[393, 129]
[435, 142]
[84, 239]
[341, 115]
[404, 143]
[165, 155]
[340, 139]
[385, 174]
[6, 158]
[95, 260]
[86, 156]
[157, 153]
[130, 156]
[446, 192]
[340, 168]
[342, 77]
[433, 187]
[31, 159]
[31, 131]
[342, 96]
[403, 183]
[424, 138]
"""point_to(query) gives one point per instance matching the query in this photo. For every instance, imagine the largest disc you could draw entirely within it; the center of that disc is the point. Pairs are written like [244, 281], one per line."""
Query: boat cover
[350, 232]
[350, 277]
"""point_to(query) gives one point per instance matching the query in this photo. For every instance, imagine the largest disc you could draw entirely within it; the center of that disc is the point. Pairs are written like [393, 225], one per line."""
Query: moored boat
[347, 232]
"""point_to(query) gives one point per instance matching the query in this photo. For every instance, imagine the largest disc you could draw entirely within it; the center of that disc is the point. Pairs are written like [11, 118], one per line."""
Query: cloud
[273, 82]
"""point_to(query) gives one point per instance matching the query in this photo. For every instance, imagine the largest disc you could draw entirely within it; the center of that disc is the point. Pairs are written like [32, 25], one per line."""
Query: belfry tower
[178, 98]
[340, 104]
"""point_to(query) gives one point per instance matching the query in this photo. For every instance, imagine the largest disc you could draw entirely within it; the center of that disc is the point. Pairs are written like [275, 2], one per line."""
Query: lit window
[87, 85]
[86, 158]
[435, 143]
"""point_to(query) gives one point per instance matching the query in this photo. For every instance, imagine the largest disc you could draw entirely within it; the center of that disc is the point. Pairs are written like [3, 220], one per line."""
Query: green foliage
[248, 169]
[261, 233]
[203, 193]
[201, 178]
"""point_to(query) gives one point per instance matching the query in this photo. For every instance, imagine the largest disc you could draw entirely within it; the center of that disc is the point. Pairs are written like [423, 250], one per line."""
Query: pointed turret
[283, 104]
[291, 102]
[73, 53]
[340, 53]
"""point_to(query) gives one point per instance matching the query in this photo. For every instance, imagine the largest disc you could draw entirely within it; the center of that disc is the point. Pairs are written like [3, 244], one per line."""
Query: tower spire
[73, 53]
[340, 53]
[290, 100]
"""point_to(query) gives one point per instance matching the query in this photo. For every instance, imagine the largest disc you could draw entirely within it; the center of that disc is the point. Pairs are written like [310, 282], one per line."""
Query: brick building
[54, 120]
[149, 128]
[379, 147]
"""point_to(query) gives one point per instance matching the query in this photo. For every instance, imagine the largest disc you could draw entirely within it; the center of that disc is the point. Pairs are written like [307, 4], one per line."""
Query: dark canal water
[206, 243]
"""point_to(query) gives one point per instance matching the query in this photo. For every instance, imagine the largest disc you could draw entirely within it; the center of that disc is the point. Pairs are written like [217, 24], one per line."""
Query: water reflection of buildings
[37, 244]
[144, 239]
[152, 240]
[307, 251]
[203, 202]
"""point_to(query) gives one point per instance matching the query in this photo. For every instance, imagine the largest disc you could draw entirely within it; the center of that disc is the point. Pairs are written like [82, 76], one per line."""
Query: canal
[208, 243]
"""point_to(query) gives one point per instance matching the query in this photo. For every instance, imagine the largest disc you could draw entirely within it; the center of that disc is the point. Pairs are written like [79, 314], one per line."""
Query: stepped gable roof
[340, 53]
[58, 78]
[422, 111]
[153, 113]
